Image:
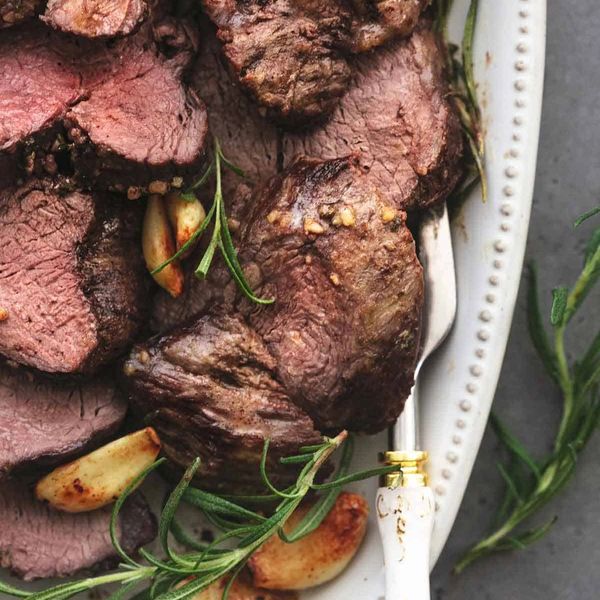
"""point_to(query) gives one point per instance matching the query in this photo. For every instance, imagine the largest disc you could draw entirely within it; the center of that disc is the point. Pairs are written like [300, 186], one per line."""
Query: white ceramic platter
[489, 244]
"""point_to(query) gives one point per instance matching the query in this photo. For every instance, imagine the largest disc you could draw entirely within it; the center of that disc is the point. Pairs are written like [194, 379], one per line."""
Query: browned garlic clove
[99, 478]
[158, 246]
[185, 217]
[317, 558]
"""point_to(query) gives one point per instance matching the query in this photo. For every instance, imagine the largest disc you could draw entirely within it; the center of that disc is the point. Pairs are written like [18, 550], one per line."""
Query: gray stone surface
[566, 564]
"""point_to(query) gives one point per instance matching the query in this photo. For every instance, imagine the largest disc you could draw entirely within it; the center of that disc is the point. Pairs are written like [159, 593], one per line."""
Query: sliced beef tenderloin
[139, 123]
[397, 118]
[338, 258]
[96, 18]
[288, 55]
[127, 116]
[247, 139]
[378, 21]
[44, 421]
[210, 390]
[39, 542]
[71, 278]
[38, 81]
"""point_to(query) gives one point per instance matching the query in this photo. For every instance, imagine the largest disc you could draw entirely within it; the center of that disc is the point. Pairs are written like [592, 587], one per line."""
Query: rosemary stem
[123, 577]
[566, 385]
[553, 477]
[490, 544]
[582, 285]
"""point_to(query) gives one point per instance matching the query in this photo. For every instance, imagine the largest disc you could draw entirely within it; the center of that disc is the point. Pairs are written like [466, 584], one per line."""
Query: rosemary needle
[463, 93]
[221, 237]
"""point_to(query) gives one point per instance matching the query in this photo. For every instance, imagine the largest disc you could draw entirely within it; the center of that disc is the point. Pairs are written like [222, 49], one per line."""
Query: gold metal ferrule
[412, 472]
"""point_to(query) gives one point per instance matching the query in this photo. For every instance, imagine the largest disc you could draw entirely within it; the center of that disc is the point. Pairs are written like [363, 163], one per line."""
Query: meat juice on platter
[338, 114]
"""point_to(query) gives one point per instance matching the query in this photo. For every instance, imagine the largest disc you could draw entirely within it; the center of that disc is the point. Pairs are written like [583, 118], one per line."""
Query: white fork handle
[405, 517]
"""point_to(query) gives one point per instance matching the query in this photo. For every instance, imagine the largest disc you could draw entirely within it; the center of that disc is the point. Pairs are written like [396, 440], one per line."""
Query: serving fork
[405, 504]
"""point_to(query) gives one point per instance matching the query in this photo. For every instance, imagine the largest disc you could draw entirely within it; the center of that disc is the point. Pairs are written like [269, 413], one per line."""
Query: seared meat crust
[287, 54]
[376, 22]
[96, 18]
[210, 390]
[292, 56]
[398, 120]
[338, 257]
[85, 18]
[15, 11]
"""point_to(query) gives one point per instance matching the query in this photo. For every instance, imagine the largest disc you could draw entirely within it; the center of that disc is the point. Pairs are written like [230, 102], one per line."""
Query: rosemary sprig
[181, 576]
[532, 484]
[463, 92]
[221, 236]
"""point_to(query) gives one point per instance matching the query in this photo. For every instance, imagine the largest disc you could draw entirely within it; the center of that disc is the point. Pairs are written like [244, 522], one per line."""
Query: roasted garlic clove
[185, 217]
[158, 246]
[317, 558]
[98, 478]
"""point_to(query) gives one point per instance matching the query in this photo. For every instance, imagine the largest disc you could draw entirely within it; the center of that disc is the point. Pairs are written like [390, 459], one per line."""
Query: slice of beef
[398, 120]
[71, 278]
[210, 390]
[378, 21]
[337, 256]
[39, 542]
[44, 421]
[15, 11]
[96, 18]
[247, 139]
[126, 115]
[38, 83]
[288, 55]
[139, 123]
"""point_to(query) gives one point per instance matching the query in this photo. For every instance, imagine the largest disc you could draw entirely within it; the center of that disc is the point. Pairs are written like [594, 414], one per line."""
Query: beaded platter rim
[489, 240]
[512, 150]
